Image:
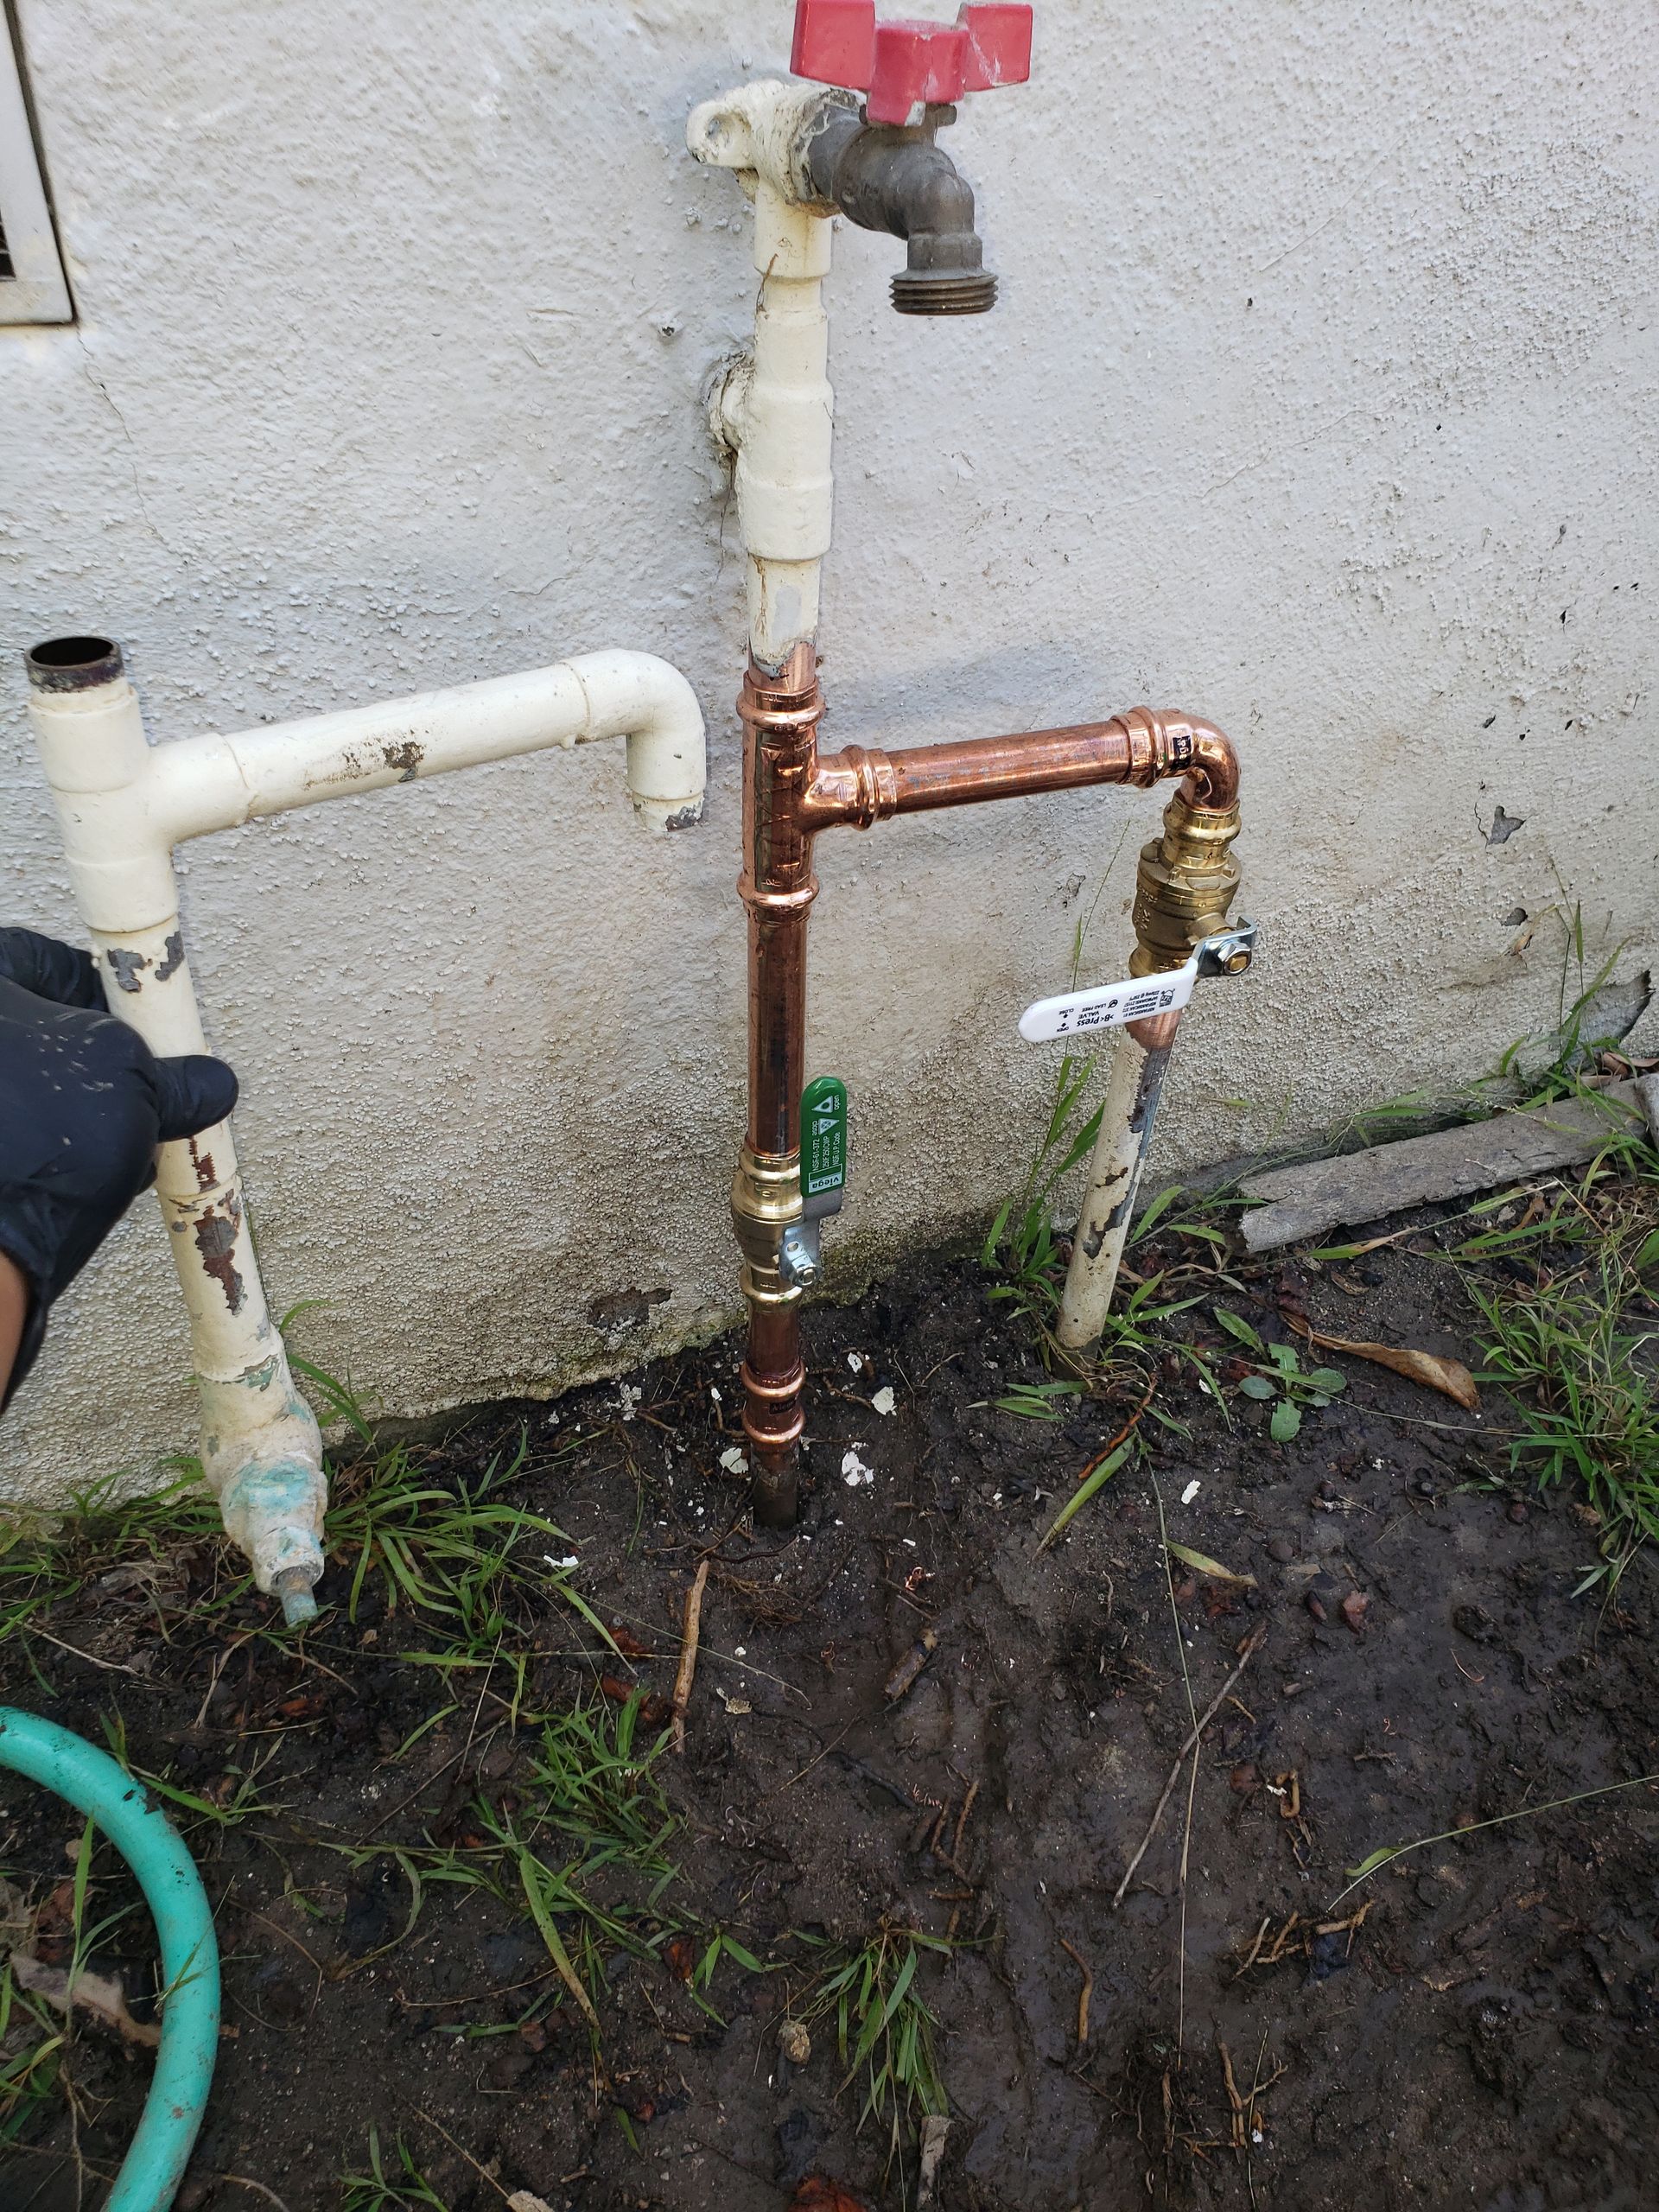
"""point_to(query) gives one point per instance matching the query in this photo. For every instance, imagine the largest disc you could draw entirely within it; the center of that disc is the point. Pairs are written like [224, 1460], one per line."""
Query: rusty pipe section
[1187, 882]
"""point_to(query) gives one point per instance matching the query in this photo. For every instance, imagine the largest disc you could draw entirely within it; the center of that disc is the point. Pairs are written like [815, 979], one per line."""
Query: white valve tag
[1108, 1006]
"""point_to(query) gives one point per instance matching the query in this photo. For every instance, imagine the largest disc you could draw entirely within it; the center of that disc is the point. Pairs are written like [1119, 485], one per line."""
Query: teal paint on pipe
[146, 1839]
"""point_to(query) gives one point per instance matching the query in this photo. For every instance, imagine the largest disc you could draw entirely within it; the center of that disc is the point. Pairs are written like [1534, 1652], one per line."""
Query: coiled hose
[141, 1831]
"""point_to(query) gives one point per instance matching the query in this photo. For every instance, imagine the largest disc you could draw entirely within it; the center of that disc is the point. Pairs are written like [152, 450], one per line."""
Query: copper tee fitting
[1187, 880]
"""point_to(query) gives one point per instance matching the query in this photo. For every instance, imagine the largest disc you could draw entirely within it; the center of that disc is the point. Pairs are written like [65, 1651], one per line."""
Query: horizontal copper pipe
[1142, 746]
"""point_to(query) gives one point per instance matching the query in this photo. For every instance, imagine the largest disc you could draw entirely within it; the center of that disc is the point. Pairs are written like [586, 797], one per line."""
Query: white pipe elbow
[647, 701]
[205, 783]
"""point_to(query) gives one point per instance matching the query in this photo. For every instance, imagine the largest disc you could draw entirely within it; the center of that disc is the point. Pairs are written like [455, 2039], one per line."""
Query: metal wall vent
[33, 287]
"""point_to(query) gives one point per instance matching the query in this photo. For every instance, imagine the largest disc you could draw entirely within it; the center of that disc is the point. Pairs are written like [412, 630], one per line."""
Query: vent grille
[33, 287]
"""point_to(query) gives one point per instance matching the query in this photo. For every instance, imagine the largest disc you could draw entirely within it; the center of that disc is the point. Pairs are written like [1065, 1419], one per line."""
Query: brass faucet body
[1186, 883]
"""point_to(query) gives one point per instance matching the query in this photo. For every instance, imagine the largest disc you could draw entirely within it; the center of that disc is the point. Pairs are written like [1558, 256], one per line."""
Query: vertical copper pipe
[780, 718]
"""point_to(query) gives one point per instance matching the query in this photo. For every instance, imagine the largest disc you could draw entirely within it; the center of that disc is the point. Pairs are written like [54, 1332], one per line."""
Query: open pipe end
[297, 1593]
[72, 664]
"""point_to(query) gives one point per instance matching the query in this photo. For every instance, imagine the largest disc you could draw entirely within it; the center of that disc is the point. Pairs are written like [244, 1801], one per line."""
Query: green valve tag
[823, 1147]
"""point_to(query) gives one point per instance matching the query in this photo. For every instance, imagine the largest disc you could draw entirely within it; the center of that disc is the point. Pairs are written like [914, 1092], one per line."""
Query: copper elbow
[1212, 780]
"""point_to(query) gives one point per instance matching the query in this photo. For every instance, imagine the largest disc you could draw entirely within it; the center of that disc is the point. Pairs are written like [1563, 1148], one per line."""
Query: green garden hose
[141, 1831]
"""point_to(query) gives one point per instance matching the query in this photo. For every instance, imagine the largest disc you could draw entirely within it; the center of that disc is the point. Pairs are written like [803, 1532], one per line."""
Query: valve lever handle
[909, 63]
[1139, 998]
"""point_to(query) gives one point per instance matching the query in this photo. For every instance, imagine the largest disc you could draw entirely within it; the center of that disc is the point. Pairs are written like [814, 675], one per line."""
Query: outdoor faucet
[901, 180]
[882, 166]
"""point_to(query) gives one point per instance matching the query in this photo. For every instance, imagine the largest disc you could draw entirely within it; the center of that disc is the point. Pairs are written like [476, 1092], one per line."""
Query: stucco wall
[1320, 399]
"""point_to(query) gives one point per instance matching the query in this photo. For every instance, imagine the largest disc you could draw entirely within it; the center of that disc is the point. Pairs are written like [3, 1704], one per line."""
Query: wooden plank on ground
[1321, 1194]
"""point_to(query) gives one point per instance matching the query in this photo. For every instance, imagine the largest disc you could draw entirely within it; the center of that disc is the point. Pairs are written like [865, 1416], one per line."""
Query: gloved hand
[83, 1104]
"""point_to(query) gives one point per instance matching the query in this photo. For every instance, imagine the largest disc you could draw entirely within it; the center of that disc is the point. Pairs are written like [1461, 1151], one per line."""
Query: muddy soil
[1483, 2036]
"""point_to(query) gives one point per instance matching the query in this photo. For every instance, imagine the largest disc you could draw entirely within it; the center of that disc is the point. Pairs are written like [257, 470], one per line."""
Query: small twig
[482, 2172]
[961, 1818]
[1123, 1434]
[219, 1665]
[480, 1997]
[1256, 1947]
[1240, 2137]
[242, 2181]
[810, 1763]
[1253, 1643]
[1083, 1994]
[692, 1628]
[109, 1666]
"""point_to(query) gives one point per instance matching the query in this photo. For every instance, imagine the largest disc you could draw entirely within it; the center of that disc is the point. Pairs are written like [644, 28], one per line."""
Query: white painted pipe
[1127, 1116]
[774, 407]
[122, 805]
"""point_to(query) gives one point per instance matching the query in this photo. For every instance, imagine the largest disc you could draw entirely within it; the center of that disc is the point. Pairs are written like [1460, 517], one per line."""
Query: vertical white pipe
[261, 1450]
[784, 429]
[1126, 1124]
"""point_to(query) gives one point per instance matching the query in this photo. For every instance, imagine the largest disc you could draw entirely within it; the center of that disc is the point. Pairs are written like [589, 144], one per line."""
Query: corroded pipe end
[297, 1595]
[72, 664]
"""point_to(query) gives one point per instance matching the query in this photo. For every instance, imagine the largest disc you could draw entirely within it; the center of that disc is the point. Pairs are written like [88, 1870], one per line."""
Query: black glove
[83, 1104]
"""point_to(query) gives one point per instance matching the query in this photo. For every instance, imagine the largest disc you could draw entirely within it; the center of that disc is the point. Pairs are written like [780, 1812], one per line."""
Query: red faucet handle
[834, 42]
[916, 64]
[999, 43]
[906, 64]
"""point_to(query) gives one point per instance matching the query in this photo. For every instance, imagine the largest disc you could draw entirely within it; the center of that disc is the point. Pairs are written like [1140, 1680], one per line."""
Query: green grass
[36, 2037]
[461, 1558]
[1584, 1378]
[404, 2189]
[45, 1561]
[243, 1801]
[583, 1845]
[885, 2030]
[33, 2039]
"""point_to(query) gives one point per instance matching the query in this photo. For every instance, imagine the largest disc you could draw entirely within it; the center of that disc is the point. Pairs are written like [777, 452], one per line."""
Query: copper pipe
[789, 796]
[780, 720]
[1140, 747]
[781, 716]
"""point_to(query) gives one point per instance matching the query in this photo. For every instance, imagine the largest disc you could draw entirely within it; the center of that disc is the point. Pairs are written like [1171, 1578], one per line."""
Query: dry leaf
[1201, 1564]
[816, 2195]
[523, 2200]
[935, 2129]
[1449, 1377]
[99, 1994]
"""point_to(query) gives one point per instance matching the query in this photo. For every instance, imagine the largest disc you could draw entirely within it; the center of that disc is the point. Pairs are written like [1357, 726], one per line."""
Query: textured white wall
[1320, 399]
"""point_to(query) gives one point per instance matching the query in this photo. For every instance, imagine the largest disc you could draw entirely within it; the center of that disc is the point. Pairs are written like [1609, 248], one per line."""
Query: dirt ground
[1484, 2035]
